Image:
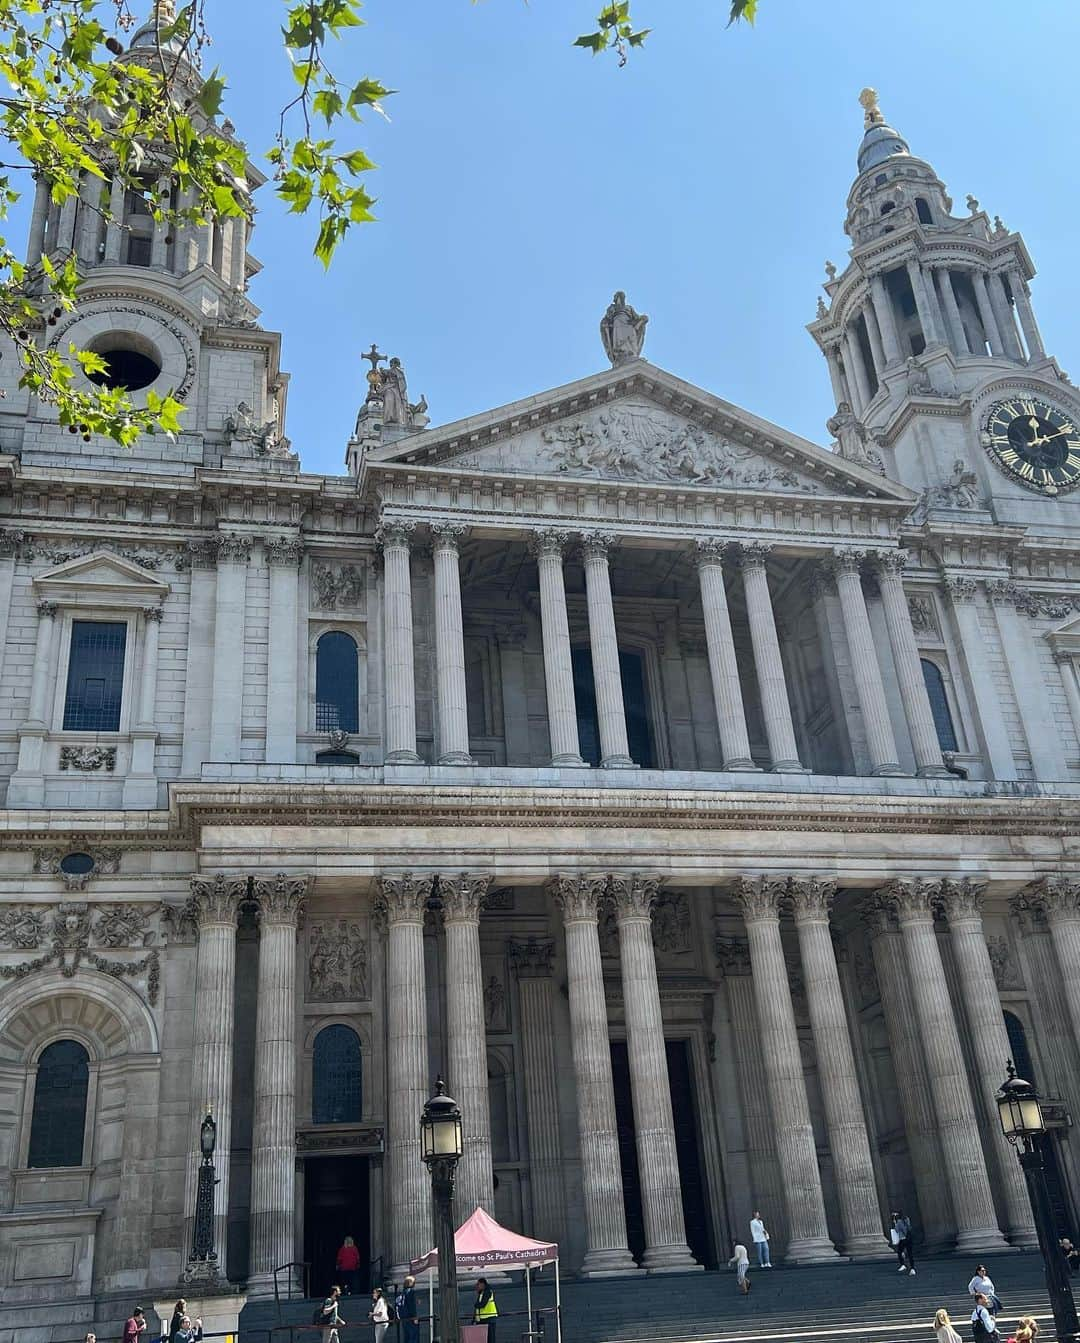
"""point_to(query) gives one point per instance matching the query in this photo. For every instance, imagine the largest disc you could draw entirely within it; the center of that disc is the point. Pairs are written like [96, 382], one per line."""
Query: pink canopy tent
[480, 1242]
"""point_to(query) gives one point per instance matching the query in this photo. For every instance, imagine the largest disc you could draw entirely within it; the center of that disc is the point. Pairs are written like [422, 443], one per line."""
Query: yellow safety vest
[487, 1311]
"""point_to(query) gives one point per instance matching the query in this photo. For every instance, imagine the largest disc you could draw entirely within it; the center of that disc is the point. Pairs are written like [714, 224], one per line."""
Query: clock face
[1035, 443]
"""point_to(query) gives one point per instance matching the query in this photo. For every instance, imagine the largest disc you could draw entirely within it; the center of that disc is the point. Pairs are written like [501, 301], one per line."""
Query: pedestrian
[981, 1283]
[179, 1311]
[943, 1328]
[347, 1265]
[136, 1325]
[407, 1311]
[900, 1240]
[379, 1314]
[90, 1338]
[760, 1238]
[983, 1324]
[327, 1317]
[1029, 1325]
[740, 1262]
[1024, 1332]
[1071, 1253]
[484, 1310]
[189, 1332]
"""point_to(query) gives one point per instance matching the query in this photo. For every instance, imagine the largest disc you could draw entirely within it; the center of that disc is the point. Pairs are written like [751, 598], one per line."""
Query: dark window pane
[337, 683]
[336, 1095]
[922, 209]
[337, 758]
[139, 250]
[939, 705]
[59, 1118]
[95, 676]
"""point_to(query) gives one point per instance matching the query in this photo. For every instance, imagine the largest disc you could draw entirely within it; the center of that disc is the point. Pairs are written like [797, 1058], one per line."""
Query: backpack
[319, 1317]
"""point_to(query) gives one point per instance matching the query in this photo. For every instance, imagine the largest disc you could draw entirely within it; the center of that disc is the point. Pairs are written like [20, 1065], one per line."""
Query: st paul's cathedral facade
[698, 800]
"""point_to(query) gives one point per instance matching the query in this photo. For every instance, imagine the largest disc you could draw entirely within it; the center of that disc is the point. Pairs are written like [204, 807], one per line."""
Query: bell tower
[932, 345]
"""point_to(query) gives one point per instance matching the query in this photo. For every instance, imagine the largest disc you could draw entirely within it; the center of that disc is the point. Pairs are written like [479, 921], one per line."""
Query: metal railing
[533, 1328]
[305, 1274]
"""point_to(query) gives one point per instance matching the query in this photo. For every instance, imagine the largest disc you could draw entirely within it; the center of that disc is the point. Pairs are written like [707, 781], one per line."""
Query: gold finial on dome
[165, 11]
[873, 117]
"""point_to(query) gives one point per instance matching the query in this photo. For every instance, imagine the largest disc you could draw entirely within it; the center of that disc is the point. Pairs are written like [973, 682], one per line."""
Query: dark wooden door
[336, 1205]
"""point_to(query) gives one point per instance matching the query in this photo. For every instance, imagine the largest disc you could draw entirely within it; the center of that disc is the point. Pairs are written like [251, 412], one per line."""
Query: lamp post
[441, 1149]
[203, 1261]
[1023, 1124]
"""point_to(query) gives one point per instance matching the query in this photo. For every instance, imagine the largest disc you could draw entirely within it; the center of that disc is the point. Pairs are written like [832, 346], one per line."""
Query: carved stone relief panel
[338, 961]
[70, 935]
[337, 587]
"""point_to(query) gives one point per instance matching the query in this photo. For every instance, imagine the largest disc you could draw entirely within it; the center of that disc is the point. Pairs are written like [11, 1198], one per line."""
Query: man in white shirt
[761, 1240]
[740, 1261]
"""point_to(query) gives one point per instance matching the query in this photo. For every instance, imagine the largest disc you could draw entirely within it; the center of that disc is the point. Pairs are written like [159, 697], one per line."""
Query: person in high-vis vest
[484, 1310]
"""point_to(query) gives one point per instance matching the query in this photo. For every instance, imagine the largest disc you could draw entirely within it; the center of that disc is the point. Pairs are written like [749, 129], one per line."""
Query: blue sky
[521, 181]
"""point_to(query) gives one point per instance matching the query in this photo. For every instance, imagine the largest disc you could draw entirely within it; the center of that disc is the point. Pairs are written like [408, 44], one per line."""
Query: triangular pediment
[639, 425]
[102, 571]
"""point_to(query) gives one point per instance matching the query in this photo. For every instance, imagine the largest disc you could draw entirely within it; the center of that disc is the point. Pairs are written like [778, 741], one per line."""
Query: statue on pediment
[851, 438]
[622, 331]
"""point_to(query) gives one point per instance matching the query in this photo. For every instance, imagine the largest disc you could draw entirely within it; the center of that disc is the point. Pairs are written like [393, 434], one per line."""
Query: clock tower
[937, 364]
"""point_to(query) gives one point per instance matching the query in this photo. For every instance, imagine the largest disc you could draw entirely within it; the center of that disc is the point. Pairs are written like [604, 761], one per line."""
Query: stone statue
[236, 311]
[830, 271]
[395, 393]
[241, 426]
[918, 384]
[622, 331]
[958, 491]
[851, 438]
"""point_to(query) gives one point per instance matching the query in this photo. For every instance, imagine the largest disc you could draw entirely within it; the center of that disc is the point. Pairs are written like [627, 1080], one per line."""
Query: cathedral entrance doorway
[687, 1144]
[336, 1205]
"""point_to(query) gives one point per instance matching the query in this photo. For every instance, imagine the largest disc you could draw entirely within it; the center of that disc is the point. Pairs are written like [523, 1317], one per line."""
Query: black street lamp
[1023, 1124]
[202, 1262]
[441, 1149]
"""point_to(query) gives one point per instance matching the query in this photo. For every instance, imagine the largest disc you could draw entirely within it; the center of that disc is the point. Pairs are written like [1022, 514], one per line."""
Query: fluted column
[836, 373]
[273, 1139]
[759, 899]
[666, 1250]
[845, 1118]
[27, 785]
[1030, 327]
[965, 1168]
[114, 233]
[38, 219]
[604, 642]
[462, 897]
[227, 702]
[992, 728]
[889, 568]
[399, 679]
[989, 1044]
[883, 310]
[1003, 312]
[283, 556]
[915, 1110]
[853, 359]
[986, 313]
[1065, 660]
[926, 312]
[402, 900]
[159, 246]
[873, 333]
[532, 961]
[548, 547]
[723, 663]
[943, 278]
[606, 1252]
[140, 786]
[215, 902]
[880, 742]
[1059, 898]
[450, 648]
[772, 687]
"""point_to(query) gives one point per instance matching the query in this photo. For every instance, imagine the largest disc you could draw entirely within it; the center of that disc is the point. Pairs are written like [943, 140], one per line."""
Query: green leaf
[210, 95]
[595, 42]
[328, 103]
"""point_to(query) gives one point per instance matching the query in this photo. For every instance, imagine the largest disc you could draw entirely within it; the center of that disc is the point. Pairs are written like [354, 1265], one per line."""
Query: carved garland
[71, 930]
[154, 314]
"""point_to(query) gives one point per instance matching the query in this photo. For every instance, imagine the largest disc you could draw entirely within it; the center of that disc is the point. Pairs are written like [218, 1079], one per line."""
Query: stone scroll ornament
[68, 930]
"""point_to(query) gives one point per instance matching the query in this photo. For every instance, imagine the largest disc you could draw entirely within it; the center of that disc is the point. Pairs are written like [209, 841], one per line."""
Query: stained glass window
[337, 683]
[336, 1077]
[95, 680]
[59, 1117]
[939, 705]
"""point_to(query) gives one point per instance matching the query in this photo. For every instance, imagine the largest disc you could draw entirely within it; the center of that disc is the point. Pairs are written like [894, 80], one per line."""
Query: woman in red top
[348, 1265]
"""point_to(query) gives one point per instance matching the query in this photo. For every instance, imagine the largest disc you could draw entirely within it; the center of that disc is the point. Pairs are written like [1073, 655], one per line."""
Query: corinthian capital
[532, 959]
[847, 560]
[760, 898]
[447, 535]
[233, 548]
[281, 898]
[752, 554]
[1057, 896]
[217, 899]
[404, 898]
[912, 900]
[879, 914]
[578, 897]
[393, 533]
[732, 955]
[597, 545]
[890, 562]
[962, 899]
[709, 550]
[462, 896]
[549, 541]
[286, 551]
[633, 895]
[811, 898]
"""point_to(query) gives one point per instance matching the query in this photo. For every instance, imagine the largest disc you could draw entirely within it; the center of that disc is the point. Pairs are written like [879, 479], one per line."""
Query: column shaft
[159, 246]
[723, 663]
[399, 680]
[1005, 319]
[603, 639]
[27, 785]
[772, 687]
[857, 366]
[836, 376]
[38, 219]
[666, 1250]
[558, 668]
[986, 314]
[450, 649]
[114, 233]
[883, 308]
[873, 332]
[1025, 670]
[227, 704]
[992, 728]
[1022, 299]
[922, 304]
[943, 278]
[283, 557]
[1066, 663]
[140, 786]
[880, 742]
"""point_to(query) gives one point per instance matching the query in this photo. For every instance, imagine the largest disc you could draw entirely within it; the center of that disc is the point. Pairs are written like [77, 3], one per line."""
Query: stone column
[1025, 671]
[1066, 665]
[1003, 312]
[606, 1252]
[273, 1139]
[114, 232]
[532, 965]
[548, 546]
[759, 898]
[462, 897]
[65, 234]
[986, 314]
[38, 219]
[775, 707]
[873, 332]
[450, 648]
[399, 679]
[961, 1146]
[604, 642]
[905, 1051]
[10, 545]
[883, 309]
[215, 902]
[198, 681]
[283, 556]
[666, 1250]
[853, 359]
[889, 568]
[159, 247]
[931, 334]
[515, 708]
[989, 1044]
[943, 277]
[402, 900]
[227, 704]
[853, 1167]
[1030, 327]
[994, 733]
[836, 374]
[723, 663]
[880, 742]
[140, 786]
[1059, 898]
[237, 273]
[27, 785]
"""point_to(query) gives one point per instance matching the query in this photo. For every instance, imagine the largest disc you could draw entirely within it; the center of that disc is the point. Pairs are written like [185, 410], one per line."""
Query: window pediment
[101, 573]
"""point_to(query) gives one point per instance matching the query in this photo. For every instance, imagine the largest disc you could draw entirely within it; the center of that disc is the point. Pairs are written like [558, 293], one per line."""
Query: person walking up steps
[981, 1282]
[900, 1240]
[760, 1238]
[943, 1328]
[983, 1324]
[740, 1262]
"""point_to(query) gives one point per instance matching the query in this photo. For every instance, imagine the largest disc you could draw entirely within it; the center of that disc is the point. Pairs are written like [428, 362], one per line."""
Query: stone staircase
[842, 1303]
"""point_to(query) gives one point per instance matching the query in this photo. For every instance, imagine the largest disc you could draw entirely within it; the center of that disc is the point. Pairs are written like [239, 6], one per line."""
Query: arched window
[939, 705]
[922, 209]
[337, 683]
[888, 208]
[336, 1077]
[1021, 1054]
[59, 1117]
